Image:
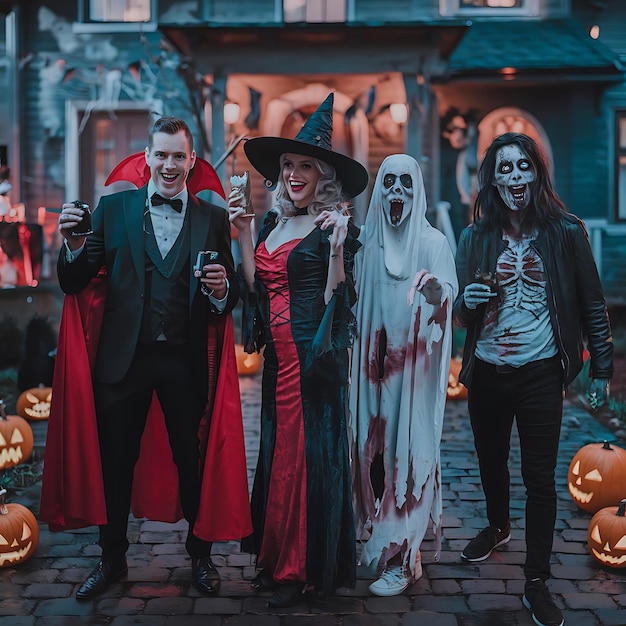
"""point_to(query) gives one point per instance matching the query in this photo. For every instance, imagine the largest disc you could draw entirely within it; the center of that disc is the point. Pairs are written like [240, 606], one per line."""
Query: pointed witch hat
[314, 139]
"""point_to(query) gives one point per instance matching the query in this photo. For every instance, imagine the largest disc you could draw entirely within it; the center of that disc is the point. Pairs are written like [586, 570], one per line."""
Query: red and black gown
[301, 498]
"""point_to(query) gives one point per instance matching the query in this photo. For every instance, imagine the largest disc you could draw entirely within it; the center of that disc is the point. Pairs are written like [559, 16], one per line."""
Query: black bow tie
[157, 199]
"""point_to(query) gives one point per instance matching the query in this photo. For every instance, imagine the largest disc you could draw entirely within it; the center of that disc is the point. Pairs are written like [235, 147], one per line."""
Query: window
[485, 8]
[316, 11]
[620, 178]
[115, 15]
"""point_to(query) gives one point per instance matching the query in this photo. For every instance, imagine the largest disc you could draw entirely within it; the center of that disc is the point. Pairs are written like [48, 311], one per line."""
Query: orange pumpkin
[456, 390]
[34, 403]
[16, 439]
[19, 533]
[247, 364]
[606, 536]
[597, 476]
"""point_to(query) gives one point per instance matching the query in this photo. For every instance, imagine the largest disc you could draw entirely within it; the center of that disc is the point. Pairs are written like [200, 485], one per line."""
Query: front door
[107, 138]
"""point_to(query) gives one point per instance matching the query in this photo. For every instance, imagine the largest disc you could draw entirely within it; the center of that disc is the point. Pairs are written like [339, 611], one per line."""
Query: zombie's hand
[428, 285]
[598, 392]
[475, 294]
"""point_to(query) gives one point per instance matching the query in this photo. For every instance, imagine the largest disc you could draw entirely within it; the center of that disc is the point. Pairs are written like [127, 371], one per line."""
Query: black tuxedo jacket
[118, 244]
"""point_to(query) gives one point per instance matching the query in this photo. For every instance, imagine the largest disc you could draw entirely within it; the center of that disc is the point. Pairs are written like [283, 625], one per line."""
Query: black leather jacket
[575, 297]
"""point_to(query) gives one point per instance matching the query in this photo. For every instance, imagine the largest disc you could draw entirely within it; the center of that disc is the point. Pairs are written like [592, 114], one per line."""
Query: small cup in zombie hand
[84, 228]
[489, 279]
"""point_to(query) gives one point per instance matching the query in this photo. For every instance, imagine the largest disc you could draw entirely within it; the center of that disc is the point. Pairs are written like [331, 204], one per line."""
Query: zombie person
[406, 283]
[529, 293]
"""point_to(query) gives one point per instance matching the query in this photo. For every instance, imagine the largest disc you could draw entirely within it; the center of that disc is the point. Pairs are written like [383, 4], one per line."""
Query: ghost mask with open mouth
[397, 196]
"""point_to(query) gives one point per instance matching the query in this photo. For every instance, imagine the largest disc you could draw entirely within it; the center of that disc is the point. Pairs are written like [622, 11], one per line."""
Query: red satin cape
[72, 494]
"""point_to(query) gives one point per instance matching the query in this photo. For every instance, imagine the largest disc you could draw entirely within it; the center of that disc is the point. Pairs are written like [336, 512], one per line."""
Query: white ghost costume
[400, 368]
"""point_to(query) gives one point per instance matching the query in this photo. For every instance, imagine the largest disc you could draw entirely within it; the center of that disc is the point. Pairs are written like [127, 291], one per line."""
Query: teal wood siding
[614, 268]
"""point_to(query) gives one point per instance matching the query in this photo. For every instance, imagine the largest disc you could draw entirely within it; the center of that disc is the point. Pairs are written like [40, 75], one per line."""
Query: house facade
[437, 79]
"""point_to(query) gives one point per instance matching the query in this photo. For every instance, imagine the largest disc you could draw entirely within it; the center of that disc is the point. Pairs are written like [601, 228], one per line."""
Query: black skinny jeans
[533, 395]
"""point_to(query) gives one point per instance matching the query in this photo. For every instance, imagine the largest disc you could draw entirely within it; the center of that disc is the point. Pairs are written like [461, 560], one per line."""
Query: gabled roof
[533, 49]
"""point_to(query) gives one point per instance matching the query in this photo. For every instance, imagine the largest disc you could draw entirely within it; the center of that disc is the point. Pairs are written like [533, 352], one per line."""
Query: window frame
[452, 8]
[327, 3]
[83, 24]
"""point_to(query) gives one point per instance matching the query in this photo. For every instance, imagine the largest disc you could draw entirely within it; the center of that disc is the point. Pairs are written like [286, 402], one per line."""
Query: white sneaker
[392, 582]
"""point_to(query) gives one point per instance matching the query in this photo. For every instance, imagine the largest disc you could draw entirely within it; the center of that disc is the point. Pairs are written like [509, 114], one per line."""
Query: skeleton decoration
[400, 367]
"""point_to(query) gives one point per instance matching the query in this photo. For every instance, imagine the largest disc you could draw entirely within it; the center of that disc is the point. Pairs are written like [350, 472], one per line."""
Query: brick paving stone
[310, 620]
[440, 604]
[381, 619]
[63, 606]
[47, 590]
[255, 620]
[482, 586]
[393, 604]
[446, 587]
[169, 606]
[494, 602]
[194, 620]
[582, 618]
[15, 620]
[121, 606]
[16, 606]
[144, 620]
[151, 590]
[423, 618]
[573, 572]
[610, 617]
[589, 601]
[217, 606]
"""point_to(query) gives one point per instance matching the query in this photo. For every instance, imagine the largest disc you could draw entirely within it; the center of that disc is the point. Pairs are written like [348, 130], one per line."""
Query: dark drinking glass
[84, 228]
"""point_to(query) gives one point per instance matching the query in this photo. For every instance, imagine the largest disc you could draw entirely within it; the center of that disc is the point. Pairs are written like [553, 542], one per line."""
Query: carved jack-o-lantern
[16, 439]
[606, 536]
[247, 364]
[34, 404]
[456, 390]
[597, 476]
[19, 533]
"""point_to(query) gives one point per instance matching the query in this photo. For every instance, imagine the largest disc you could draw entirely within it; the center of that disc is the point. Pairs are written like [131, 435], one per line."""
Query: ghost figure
[400, 367]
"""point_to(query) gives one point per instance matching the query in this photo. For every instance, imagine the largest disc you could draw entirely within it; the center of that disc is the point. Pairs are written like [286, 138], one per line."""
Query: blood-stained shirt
[516, 328]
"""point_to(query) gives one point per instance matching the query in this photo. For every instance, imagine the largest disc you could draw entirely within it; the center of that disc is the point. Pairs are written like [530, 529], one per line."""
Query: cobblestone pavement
[158, 592]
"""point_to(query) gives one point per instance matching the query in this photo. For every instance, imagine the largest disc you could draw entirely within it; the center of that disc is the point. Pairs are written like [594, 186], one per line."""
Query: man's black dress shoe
[101, 578]
[205, 575]
[287, 594]
[263, 581]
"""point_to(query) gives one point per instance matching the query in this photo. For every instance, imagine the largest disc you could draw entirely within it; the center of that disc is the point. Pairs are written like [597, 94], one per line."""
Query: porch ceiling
[554, 50]
[318, 48]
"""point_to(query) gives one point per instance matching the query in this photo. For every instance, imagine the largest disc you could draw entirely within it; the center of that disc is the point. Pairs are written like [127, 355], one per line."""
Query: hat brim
[264, 155]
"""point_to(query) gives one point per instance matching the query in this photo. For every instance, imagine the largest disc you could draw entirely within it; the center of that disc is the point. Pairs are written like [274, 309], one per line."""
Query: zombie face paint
[513, 175]
[397, 196]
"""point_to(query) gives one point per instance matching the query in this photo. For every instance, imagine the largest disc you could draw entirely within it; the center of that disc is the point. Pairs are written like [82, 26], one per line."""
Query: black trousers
[533, 395]
[121, 415]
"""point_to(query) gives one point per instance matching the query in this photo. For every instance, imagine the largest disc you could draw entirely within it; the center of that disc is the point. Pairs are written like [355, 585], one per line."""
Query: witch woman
[298, 279]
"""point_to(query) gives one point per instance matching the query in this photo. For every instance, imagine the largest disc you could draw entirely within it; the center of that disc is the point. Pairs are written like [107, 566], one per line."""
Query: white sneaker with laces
[392, 582]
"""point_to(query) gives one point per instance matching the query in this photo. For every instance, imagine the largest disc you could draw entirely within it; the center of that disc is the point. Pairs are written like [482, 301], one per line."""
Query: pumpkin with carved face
[606, 536]
[16, 439]
[34, 404]
[456, 390]
[597, 476]
[19, 533]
